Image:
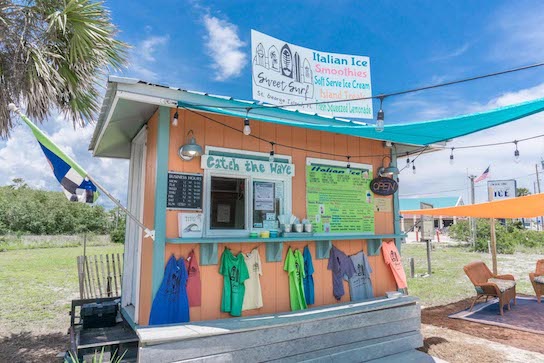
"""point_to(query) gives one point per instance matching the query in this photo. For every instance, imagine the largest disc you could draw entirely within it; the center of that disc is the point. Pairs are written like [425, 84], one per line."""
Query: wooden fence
[100, 275]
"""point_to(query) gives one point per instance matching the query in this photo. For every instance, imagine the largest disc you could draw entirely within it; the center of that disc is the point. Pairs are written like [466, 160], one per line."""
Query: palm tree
[53, 54]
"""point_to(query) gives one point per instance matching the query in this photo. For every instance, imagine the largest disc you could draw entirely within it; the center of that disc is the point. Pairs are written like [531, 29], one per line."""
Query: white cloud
[224, 47]
[519, 32]
[22, 157]
[143, 57]
[148, 47]
[452, 54]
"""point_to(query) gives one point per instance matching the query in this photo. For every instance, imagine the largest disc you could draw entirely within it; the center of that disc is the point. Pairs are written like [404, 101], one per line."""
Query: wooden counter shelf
[274, 246]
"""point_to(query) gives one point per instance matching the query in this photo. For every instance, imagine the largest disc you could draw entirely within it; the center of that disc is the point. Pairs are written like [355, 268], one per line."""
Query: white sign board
[286, 74]
[502, 189]
[190, 224]
[427, 230]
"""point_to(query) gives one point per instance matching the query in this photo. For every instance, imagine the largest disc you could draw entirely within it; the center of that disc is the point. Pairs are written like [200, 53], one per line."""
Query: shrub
[117, 235]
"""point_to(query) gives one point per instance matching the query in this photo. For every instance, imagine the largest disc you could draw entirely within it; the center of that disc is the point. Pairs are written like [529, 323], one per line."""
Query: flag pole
[147, 231]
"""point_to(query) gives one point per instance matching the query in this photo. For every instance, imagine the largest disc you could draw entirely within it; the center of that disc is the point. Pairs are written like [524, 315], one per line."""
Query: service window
[244, 191]
[228, 203]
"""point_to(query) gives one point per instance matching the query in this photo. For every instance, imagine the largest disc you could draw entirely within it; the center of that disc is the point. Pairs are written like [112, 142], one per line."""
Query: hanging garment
[294, 265]
[360, 286]
[391, 257]
[170, 305]
[253, 297]
[341, 266]
[308, 280]
[234, 271]
[194, 289]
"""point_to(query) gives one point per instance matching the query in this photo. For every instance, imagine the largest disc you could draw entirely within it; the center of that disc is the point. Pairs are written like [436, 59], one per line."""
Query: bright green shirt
[294, 265]
[234, 271]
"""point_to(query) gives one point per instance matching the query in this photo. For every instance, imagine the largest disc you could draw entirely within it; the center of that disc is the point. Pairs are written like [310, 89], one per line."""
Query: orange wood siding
[274, 282]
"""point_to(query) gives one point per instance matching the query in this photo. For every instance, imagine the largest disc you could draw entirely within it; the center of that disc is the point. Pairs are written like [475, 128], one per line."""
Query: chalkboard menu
[184, 191]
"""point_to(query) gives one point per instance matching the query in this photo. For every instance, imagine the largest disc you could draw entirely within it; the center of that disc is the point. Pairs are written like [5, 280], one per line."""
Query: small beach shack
[236, 187]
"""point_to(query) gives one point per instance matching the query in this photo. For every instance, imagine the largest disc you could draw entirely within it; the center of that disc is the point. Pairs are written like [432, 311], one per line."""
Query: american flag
[484, 175]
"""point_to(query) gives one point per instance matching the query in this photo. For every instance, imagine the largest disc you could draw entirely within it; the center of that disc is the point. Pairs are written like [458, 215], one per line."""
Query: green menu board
[339, 200]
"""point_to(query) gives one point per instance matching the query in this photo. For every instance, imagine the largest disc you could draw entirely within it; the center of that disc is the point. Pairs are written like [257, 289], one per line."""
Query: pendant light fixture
[190, 149]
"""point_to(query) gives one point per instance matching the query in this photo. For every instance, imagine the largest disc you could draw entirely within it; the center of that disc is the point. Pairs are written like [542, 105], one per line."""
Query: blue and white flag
[73, 178]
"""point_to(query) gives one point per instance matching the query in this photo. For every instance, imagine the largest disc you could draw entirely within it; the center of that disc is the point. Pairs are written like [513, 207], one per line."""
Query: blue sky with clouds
[205, 46]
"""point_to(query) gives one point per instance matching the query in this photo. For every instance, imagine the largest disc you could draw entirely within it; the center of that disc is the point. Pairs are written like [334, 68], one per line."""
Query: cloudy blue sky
[205, 46]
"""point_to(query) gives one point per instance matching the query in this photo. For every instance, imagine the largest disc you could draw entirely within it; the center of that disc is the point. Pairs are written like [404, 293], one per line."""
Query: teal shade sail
[411, 133]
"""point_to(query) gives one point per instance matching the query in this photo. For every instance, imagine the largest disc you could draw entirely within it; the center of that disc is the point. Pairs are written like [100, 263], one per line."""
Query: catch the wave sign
[286, 74]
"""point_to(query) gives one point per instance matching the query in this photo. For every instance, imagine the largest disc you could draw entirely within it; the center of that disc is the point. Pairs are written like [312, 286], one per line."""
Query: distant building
[408, 220]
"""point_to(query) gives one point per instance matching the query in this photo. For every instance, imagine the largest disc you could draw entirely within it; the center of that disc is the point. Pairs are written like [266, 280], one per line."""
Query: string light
[380, 117]
[271, 157]
[247, 129]
[419, 151]
[349, 165]
[175, 119]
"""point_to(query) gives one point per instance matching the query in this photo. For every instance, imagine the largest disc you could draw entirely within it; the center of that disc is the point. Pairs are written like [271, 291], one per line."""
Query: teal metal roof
[439, 202]
[411, 133]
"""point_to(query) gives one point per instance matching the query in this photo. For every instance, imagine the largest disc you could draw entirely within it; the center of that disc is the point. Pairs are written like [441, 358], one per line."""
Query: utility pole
[538, 188]
[472, 201]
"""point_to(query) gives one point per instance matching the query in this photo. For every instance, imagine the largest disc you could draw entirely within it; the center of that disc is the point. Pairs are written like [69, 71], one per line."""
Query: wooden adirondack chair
[487, 284]
[537, 279]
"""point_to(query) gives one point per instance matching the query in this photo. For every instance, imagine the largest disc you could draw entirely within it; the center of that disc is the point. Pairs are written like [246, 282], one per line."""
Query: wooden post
[493, 235]
[412, 267]
[428, 241]
[81, 277]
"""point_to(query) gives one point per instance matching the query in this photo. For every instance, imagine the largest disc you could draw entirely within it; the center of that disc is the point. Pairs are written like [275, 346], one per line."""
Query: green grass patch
[37, 287]
[448, 282]
[12, 242]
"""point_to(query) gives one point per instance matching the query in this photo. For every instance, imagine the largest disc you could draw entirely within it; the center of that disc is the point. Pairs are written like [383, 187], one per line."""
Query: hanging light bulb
[271, 157]
[247, 129]
[516, 153]
[349, 165]
[175, 119]
[451, 156]
[380, 117]
[407, 160]
[413, 167]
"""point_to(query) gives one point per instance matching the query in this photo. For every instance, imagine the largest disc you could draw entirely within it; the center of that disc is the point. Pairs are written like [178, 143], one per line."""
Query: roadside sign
[502, 189]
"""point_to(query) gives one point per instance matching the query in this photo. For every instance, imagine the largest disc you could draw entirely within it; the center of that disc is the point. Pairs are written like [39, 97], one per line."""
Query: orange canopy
[521, 207]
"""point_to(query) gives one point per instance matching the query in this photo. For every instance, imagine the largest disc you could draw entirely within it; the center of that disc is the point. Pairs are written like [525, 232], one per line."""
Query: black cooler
[99, 315]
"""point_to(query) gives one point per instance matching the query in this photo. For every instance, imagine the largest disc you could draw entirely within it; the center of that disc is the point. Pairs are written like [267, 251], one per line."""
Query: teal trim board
[323, 237]
[208, 254]
[161, 188]
[322, 249]
[274, 252]
[396, 206]
[373, 246]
